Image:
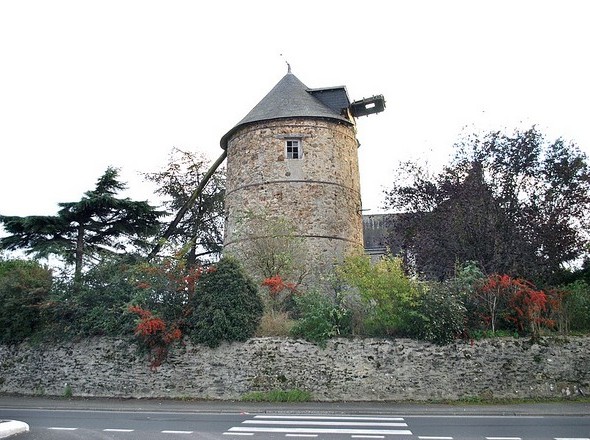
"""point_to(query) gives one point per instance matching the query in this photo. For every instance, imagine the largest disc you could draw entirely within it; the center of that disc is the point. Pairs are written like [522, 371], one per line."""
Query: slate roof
[291, 98]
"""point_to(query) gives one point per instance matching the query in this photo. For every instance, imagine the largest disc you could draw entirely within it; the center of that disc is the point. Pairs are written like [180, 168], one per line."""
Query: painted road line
[322, 423]
[431, 437]
[367, 436]
[61, 428]
[117, 430]
[323, 431]
[238, 433]
[176, 432]
[503, 438]
[301, 435]
[376, 419]
[569, 438]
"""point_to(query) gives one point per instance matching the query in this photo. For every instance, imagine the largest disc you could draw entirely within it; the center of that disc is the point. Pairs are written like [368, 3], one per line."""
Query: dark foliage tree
[514, 204]
[200, 232]
[98, 223]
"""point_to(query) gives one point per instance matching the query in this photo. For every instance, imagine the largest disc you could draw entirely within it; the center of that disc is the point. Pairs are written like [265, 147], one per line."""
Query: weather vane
[288, 65]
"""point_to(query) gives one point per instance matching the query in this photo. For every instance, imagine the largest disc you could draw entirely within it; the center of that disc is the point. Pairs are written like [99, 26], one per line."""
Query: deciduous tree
[515, 204]
[200, 232]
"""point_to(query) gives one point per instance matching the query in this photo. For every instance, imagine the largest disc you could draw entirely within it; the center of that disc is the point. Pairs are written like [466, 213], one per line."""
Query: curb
[12, 427]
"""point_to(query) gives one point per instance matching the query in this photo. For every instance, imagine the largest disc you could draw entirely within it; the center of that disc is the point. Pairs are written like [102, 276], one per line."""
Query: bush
[226, 305]
[24, 286]
[576, 304]
[166, 288]
[468, 278]
[388, 294]
[96, 307]
[320, 318]
[440, 316]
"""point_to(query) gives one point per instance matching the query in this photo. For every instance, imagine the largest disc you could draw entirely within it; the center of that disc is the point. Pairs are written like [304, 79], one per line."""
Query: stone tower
[294, 157]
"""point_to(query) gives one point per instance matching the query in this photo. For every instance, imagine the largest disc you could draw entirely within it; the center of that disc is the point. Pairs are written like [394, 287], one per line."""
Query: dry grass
[275, 324]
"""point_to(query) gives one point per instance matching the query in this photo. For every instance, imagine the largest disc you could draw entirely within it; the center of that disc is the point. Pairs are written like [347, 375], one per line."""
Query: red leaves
[523, 304]
[143, 314]
[152, 332]
[169, 287]
[276, 285]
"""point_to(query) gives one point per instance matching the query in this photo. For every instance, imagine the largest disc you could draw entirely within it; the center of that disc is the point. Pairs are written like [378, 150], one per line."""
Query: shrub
[506, 303]
[576, 304]
[166, 288]
[388, 294]
[154, 335]
[226, 305]
[440, 315]
[320, 318]
[95, 307]
[278, 297]
[468, 278]
[24, 286]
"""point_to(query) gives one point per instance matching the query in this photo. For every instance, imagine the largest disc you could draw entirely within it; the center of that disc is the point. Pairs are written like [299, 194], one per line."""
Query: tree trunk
[79, 256]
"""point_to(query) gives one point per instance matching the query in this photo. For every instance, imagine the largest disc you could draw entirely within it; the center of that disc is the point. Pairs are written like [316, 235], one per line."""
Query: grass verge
[277, 396]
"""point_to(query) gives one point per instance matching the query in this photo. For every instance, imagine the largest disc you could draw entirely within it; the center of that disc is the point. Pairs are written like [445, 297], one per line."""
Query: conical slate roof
[289, 98]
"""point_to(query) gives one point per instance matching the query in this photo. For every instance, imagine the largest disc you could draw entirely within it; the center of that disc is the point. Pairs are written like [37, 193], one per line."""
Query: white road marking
[301, 435]
[377, 419]
[503, 438]
[569, 438]
[429, 437]
[339, 423]
[59, 428]
[238, 433]
[177, 432]
[117, 430]
[367, 436]
[323, 430]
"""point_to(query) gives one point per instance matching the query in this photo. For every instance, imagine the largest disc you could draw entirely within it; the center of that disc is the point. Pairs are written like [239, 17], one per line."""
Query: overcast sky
[89, 84]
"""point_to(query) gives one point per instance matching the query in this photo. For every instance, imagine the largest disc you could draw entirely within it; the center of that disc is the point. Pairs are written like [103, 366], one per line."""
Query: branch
[189, 203]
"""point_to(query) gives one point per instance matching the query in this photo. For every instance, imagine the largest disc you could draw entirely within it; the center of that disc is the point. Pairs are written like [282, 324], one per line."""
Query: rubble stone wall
[345, 370]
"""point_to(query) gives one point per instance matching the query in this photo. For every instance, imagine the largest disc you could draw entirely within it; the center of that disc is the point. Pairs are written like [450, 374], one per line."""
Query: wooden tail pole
[189, 203]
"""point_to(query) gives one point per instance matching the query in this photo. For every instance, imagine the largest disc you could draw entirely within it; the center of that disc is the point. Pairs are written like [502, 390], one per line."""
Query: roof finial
[288, 65]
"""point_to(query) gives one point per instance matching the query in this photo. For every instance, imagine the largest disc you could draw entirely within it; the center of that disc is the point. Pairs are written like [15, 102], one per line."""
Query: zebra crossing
[311, 426]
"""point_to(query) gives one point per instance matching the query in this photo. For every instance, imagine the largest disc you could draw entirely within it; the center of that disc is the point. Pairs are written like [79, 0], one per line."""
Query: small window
[293, 149]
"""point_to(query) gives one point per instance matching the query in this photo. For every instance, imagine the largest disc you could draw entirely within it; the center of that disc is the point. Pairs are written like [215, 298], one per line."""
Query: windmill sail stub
[368, 106]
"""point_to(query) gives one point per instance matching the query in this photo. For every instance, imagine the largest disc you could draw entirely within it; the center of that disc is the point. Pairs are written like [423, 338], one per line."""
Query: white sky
[88, 84]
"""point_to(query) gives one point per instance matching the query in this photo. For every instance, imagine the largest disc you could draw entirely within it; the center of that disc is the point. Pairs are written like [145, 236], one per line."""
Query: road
[184, 420]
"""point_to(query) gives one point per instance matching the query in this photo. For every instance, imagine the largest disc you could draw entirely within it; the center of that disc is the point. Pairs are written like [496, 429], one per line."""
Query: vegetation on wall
[226, 305]
[24, 287]
[483, 255]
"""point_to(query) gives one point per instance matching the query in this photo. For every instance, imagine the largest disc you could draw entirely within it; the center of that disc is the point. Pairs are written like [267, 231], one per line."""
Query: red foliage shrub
[152, 332]
[516, 301]
[276, 285]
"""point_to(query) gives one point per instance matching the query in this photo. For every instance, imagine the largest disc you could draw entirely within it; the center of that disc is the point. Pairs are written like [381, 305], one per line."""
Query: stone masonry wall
[346, 370]
[319, 193]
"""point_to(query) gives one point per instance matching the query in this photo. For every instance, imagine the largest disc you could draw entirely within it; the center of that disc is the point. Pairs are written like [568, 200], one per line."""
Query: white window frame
[293, 149]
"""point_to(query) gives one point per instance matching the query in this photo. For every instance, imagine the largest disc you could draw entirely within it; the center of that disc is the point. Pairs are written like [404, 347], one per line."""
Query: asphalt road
[134, 419]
